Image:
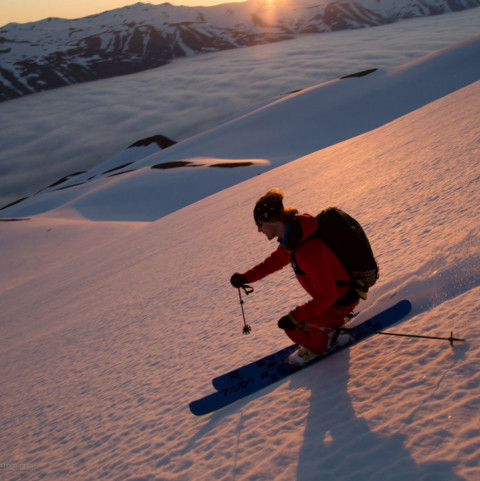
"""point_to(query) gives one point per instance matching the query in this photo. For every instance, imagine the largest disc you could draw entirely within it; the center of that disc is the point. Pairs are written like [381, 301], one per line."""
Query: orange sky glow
[22, 11]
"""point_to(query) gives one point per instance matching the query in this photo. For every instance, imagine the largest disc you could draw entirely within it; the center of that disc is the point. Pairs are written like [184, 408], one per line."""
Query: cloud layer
[49, 135]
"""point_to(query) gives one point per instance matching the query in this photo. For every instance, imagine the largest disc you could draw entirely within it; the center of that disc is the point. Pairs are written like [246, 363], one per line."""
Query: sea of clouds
[48, 135]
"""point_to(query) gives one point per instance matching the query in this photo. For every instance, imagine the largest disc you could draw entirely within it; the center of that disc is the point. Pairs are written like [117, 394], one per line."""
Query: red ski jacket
[319, 267]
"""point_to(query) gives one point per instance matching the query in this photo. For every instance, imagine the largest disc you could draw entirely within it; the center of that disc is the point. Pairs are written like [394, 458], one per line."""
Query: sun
[272, 8]
[271, 3]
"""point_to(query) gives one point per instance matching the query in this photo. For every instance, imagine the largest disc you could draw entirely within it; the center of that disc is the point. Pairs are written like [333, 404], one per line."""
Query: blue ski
[265, 366]
[252, 377]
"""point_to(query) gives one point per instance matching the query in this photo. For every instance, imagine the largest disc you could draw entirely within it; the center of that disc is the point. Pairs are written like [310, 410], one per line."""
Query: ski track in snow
[105, 345]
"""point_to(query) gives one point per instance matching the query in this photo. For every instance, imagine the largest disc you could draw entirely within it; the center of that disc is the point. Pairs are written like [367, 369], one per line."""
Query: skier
[317, 269]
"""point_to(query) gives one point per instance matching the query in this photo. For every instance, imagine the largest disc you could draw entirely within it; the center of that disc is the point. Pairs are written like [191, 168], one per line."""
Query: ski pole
[366, 331]
[248, 290]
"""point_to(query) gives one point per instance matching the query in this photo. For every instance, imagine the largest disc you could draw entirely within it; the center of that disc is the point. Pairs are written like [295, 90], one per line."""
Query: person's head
[271, 217]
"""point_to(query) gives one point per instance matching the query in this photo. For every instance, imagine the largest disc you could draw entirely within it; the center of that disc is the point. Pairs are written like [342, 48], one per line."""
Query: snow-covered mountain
[170, 176]
[54, 52]
[110, 329]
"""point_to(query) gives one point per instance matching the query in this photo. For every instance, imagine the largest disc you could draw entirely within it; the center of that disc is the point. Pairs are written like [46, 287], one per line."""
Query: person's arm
[274, 262]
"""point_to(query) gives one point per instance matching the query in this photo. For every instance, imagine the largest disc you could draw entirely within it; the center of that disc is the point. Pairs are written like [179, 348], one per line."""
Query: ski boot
[300, 357]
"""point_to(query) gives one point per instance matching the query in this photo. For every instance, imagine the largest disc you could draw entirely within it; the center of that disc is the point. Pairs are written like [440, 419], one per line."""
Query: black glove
[290, 323]
[238, 280]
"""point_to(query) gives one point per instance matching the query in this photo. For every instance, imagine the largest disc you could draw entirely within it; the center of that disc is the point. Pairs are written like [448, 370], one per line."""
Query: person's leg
[316, 340]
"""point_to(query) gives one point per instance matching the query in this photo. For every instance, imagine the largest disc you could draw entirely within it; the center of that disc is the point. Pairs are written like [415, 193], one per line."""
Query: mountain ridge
[52, 53]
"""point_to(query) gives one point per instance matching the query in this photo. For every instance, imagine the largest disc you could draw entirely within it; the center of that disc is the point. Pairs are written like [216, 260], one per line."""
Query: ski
[268, 364]
[252, 377]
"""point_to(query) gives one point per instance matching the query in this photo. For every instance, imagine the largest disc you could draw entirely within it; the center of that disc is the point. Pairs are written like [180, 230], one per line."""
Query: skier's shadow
[338, 443]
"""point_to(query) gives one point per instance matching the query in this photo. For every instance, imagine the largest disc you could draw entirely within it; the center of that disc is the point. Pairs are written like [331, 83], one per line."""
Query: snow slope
[47, 136]
[110, 329]
[259, 140]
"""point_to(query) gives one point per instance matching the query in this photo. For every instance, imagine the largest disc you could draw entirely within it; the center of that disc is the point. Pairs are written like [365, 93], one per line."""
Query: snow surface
[285, 129]
[110, 329]
[46, 136]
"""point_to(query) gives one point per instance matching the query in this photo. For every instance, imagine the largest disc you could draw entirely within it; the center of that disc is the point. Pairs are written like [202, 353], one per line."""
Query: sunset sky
[22, 11]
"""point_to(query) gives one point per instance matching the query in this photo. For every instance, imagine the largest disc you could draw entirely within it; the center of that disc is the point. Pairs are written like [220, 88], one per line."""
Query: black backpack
[347, 239]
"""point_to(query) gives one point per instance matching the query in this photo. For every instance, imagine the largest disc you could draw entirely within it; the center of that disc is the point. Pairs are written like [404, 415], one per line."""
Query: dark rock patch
[232, 165]
[162, 141]
[120, 173]
[117, 168]
[14, 203]
[175, 165]
[363, 73]
[64, 179]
